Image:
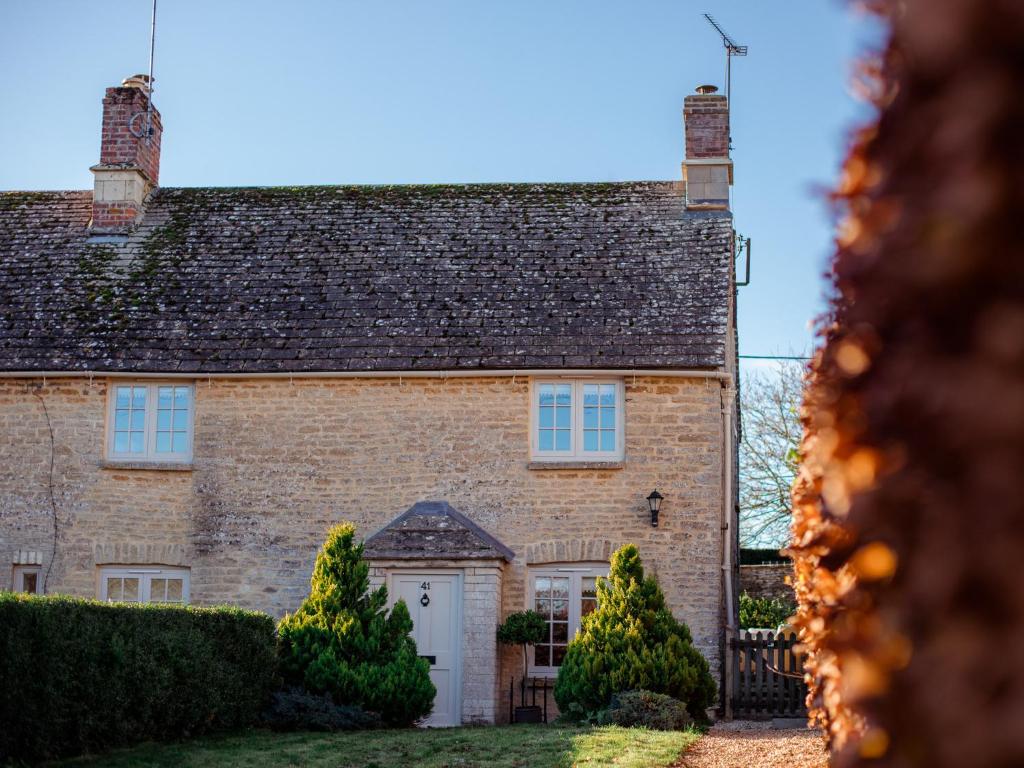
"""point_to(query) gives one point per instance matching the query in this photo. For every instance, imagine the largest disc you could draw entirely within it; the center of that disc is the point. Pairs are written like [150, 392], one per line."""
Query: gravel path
[745, 744]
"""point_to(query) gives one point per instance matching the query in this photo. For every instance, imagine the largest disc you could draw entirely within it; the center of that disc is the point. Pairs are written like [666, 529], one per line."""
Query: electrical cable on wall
[53, 501]
[772, 357]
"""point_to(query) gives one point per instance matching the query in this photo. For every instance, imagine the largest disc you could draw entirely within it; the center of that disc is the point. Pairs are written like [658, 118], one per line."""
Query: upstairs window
[150, 422]
[577, 420]
[563, 595]
[142, 584]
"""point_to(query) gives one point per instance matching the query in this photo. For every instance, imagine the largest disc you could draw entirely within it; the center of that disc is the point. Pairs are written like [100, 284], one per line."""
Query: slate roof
[434, 530]
[384, 278]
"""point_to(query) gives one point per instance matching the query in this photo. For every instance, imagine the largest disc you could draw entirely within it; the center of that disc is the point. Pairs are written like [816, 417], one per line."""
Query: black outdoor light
[654, 502]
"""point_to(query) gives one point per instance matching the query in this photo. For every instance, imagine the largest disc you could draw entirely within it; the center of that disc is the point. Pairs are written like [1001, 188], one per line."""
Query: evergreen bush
[296, 709]
[764, 612]
[82, 676]
[343, 641]
[644, 709]
[631, 641]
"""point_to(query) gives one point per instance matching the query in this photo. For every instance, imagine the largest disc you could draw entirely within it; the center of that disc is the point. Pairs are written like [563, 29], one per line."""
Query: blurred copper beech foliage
[909, 506]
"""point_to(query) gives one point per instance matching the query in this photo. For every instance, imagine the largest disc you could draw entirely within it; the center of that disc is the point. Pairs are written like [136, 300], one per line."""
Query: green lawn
[513, 746]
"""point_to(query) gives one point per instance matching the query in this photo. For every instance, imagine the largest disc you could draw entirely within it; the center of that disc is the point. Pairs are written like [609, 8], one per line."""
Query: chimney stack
[707, 169]
[129, 166]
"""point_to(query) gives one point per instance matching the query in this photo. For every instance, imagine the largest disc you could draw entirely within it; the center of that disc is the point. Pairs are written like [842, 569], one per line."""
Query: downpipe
[728, 402]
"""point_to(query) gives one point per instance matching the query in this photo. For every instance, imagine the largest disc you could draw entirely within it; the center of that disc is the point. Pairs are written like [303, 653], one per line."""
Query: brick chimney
[129, 166]
[707, 169]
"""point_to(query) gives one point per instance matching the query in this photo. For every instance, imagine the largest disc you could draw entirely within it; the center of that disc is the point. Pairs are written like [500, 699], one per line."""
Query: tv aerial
[732, 48]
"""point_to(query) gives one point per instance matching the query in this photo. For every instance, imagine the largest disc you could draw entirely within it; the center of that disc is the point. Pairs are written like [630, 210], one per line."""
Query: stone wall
[277, 461]
[767, 580]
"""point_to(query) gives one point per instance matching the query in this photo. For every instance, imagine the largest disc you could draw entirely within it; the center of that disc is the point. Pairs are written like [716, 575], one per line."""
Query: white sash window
[577, 420]
[150, 422]
[143, 584]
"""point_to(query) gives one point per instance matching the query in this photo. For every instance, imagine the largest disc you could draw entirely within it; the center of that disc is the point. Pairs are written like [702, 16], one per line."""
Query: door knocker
[425, 600]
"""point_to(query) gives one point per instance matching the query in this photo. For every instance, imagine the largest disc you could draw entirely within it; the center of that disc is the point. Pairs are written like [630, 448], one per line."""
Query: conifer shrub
[631, 642]
[644, 709]
[343, 641]
[296, 709]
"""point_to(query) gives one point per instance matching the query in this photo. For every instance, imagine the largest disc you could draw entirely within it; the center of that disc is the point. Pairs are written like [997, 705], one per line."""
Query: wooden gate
[767, 679]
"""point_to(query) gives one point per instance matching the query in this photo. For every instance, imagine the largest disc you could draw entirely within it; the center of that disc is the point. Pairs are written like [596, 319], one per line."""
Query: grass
[513, 746]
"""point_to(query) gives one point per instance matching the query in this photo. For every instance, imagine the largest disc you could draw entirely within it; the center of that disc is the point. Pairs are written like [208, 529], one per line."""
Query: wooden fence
[767, 679]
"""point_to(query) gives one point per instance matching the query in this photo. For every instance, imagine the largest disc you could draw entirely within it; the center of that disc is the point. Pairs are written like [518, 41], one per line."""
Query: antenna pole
[731, 49]
[728, 91]
[152, 48]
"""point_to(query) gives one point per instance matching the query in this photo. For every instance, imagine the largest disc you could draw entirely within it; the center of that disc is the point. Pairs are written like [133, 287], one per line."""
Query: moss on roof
[323, 278]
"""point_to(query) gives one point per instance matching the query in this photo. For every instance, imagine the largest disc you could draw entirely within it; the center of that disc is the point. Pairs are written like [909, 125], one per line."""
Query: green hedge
[764, 612]
[752, 556]
[81, 676]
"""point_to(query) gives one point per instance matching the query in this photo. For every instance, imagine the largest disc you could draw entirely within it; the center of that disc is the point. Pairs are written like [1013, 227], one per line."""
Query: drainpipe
[728, 401]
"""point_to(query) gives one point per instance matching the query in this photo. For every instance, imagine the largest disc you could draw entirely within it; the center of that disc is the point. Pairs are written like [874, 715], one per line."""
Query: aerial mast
[731, 49]
[149, 84]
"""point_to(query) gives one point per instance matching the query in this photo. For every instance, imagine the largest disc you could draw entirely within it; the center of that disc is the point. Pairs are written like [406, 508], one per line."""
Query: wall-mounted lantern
[654, 502]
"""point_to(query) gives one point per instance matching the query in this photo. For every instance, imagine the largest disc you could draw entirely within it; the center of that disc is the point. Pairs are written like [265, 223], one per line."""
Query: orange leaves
[907, 536]
[851, 358]
[873, 562]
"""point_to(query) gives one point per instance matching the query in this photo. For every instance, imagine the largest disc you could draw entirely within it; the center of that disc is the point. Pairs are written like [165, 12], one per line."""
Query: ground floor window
[28, 578]
[143, 584]
[563, 595]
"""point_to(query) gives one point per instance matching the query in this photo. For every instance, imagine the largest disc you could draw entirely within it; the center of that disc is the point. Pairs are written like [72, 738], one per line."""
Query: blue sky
[409, 91]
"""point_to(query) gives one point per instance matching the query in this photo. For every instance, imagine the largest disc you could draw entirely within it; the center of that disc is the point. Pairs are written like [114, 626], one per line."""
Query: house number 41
[425, 598]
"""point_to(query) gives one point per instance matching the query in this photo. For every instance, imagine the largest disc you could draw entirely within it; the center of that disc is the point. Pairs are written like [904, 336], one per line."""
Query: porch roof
[434, 530]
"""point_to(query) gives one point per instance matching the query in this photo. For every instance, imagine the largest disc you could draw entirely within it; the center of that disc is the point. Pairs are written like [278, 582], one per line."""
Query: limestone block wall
[767, 580]
[278, 461]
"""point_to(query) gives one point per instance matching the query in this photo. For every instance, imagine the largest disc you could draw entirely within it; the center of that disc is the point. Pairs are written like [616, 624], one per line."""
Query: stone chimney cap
[705, 90]
[136, 81]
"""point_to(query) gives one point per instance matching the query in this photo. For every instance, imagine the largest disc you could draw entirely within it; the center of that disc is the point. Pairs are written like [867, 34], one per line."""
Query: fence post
[732, 694]
[787, 663]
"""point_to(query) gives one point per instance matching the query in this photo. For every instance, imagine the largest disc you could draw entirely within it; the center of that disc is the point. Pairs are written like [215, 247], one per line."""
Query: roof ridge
[375, 186]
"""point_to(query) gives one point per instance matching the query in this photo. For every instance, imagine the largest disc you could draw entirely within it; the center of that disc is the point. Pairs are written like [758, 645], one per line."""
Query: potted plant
[524, 628]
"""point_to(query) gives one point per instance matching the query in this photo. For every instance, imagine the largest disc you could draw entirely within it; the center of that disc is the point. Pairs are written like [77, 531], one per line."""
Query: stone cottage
[488, 380]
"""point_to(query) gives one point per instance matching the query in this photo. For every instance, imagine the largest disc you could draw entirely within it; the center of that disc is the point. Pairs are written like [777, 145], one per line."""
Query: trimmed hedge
[81, 676]
[752, 556]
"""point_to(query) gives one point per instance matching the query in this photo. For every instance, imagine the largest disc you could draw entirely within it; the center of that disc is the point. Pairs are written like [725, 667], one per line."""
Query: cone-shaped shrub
[342, 640]
[631, 642]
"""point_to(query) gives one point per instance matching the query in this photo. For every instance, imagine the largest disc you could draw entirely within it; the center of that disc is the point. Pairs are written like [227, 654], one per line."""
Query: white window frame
[576, 452]
[18, 578]
[145, 574]
[149, 452]
[576, 573]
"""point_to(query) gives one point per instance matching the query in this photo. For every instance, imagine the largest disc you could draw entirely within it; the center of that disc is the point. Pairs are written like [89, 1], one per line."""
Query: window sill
[542, 465]
[542, 676]
[152, 466]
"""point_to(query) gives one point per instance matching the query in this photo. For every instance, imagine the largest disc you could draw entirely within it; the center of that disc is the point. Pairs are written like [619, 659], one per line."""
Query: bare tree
[769, 452]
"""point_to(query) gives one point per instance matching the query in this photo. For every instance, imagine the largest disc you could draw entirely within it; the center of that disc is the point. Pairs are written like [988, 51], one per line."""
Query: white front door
[435, 604]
